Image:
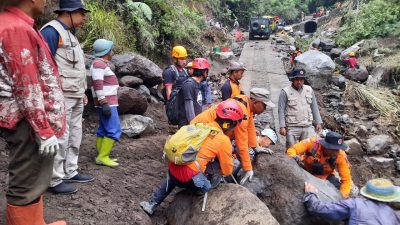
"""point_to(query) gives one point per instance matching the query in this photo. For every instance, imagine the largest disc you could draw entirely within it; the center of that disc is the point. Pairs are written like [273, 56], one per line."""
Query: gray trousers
[66, 159]
[29, 172]
[296, 134]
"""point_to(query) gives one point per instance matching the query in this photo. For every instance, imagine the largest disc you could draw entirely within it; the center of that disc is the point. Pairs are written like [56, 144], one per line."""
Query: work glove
[106, 110]
[259, 150]
[247, 176]
[48, 147]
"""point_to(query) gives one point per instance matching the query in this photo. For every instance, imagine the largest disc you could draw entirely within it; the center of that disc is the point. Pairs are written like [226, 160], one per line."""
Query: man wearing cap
[370, 210]
[65, 47]
[231, 87]
[298, 110]
[322, 157]
[32, 111]
[245, 133]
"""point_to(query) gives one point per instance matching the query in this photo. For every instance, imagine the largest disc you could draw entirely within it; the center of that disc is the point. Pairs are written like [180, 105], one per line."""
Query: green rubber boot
[99, 141]
[104, 154]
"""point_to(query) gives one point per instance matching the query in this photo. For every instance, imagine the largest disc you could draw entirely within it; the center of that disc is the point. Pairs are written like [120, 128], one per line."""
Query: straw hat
[381, 189]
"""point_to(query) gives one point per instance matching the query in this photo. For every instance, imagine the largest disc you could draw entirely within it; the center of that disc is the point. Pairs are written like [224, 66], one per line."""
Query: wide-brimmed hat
[333, 140]
[262, 95]
[70, 6]
[381, 189]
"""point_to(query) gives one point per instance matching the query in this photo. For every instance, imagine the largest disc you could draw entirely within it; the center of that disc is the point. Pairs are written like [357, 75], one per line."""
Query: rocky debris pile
[229, 204]
[279, 182]
[135, 125]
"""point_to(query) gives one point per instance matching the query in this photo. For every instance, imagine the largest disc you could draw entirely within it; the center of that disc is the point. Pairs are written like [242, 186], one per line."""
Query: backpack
[182, 147]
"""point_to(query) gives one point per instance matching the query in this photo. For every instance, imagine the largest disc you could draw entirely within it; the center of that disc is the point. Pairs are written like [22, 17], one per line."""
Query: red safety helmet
[230, 109]
[201, 64]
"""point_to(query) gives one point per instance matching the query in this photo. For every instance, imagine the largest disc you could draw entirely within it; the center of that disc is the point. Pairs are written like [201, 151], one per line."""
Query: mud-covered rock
[378, 144]
[357, 74]
[319, 67]
[130, 81]
[144, 91]
[138, 66]
[382, 162]
[229, 204]
[131, 101]
[354, 147]
[135, 125]
[279, 183]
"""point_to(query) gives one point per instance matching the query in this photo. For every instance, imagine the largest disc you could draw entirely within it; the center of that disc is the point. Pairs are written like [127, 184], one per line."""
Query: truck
[259, 26]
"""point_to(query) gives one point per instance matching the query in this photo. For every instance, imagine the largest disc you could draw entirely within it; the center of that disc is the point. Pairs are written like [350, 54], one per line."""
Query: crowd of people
[42, 96]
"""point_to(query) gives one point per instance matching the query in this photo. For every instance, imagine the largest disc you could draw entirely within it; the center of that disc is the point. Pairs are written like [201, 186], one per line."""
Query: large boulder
[144, 91]
[229, 204]
[135, 125]
[354, 48]
[130, 81]
[378, 144]
[358, 74]
[138, 66]
[377, 74]
[318, 66]
[327, 44]
[131, 101]
[279, 182]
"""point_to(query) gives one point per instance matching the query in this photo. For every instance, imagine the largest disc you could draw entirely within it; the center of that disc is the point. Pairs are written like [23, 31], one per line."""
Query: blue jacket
[354, 211]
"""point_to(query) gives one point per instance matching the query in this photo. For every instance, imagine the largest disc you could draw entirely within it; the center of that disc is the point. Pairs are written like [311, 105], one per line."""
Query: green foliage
[140, 8]
[107, 25]
[379, 18]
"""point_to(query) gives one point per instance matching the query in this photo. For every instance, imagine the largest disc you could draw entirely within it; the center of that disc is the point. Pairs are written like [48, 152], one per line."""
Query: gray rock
[138, 66]
[130, 81]
[354, 147]
[376, 76]
[327, 44]
[279, 183]
[319, 67]
[299, 33]
[382, 162]
[354, 48]
[229, 204]
[135, 125]
[143, 90]
[378, 144]
[360, 75]
[335, 52]
[131, 101]
[338, 80]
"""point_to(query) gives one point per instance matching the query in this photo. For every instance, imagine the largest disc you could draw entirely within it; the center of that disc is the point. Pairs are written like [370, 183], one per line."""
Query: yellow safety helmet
[352, 54]
[179, 52]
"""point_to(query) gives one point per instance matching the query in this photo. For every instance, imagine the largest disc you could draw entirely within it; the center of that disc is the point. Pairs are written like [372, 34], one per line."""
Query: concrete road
[265, 70]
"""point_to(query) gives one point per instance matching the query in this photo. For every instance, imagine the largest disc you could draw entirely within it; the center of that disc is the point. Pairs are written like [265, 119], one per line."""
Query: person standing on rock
[204, 88]
[175, 74]
[298, 110]
[215, 147]
[244, 134]
[32, 110]
[190, 96]
[231, 87]
[322, 157]
[65, 47]
[105, 95]
[370, 210]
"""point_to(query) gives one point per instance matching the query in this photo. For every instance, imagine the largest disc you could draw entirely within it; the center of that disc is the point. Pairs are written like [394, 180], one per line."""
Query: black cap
[333, 140]
[298, 73]
[70, 6]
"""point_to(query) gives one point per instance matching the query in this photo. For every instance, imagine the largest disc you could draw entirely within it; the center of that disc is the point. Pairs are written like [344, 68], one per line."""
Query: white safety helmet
[324, 132]
[270, 134]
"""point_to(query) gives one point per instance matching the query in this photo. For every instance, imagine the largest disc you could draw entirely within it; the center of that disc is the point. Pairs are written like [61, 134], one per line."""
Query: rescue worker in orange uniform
[245, 133]
[214, 148]
[323, 157]
[231, 87]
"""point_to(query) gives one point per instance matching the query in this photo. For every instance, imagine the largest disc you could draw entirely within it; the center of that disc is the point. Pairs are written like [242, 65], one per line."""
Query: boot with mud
[104, 154]
[29, 214]
[149, 207]
[99, 141]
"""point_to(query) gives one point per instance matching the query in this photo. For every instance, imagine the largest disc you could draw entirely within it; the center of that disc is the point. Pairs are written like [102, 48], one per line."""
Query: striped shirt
[104, 83]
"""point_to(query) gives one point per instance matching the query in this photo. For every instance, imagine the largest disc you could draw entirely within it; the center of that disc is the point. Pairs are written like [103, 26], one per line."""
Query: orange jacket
[218, 146]
[235, 89]
[342, 164]
[245, 133]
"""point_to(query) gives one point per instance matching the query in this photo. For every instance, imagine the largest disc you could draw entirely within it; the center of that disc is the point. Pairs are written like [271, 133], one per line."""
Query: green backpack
[182, 147]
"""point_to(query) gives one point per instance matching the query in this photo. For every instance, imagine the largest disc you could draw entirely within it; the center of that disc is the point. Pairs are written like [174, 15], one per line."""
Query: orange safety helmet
[179, 52]
[201, 64]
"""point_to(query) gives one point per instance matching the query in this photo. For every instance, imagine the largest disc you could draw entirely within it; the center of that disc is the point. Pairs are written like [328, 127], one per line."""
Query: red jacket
[30, 86]
[352, 61]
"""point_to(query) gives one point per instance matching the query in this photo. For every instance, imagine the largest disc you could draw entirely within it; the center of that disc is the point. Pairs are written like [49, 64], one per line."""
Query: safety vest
[70, 60]
[298, 111]
[318, 165]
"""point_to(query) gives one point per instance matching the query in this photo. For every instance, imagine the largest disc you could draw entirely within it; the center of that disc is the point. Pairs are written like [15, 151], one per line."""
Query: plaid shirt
[30, 86]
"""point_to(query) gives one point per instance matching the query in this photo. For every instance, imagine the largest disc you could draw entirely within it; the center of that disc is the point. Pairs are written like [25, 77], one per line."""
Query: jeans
[198, 183]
